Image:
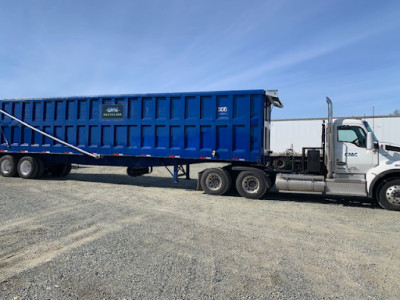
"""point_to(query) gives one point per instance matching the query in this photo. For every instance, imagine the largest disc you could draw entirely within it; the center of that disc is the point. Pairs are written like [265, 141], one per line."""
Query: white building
[299, 133]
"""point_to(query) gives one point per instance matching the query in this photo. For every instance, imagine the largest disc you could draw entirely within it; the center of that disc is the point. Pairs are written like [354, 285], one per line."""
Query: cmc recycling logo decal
[112, 111]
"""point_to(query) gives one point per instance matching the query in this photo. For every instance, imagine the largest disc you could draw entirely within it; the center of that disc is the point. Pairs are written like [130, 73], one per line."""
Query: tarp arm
[94, 155]
[273, 97]
[276, 102]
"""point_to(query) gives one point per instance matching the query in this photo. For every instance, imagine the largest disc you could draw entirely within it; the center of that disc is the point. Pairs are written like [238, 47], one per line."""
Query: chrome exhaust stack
[329, 140]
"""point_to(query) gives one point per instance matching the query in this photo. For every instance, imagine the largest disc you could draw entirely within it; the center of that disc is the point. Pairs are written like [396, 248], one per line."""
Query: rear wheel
[67, 170]
[41, 168]
[130, 171]
[389, 195]
[60, 170]
[252, 184]
[28, 167]
[8, 166]
[215, 181]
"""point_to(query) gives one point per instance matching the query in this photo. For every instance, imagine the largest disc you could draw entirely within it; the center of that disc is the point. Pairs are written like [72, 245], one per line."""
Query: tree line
[396, 113]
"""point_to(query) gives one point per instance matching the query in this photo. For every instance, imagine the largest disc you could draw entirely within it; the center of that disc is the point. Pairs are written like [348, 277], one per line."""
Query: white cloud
[299, 55]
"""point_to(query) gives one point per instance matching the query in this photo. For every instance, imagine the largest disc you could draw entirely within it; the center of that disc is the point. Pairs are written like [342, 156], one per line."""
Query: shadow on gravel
[310, 198]
[331, 200]
[166, 182]
[145, 181]
[350, 201]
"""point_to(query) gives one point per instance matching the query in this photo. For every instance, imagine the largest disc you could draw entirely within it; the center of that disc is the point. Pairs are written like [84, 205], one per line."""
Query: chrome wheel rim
[213, 181]
[6, 166]
[251, 184]
[25, 168]
[393, 194]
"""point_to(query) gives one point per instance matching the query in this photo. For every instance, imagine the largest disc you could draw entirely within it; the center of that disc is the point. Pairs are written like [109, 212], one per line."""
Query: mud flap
[198, 187]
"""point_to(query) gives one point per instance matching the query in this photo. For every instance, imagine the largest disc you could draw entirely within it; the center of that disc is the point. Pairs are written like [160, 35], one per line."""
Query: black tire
[60, 170]
[56, 170]
[215, 181]
[8, 166]
[67, 170]
[28, 167]
[129, 171]
[41, 168]
[388, 195]
[252, 184]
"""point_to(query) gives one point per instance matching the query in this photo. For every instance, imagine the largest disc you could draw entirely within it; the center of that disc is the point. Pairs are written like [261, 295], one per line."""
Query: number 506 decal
[222, 109]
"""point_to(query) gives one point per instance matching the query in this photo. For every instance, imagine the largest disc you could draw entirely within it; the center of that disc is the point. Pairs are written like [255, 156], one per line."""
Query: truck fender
[381, 177]
[245, 168]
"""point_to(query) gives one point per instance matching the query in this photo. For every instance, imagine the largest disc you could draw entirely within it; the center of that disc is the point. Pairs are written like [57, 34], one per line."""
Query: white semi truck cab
[351, 162]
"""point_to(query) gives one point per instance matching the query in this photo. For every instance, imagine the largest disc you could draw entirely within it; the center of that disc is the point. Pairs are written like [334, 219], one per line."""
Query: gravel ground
[100, 234]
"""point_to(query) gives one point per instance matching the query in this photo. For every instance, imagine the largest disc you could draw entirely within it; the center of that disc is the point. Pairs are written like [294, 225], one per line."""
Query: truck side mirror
[370, 141]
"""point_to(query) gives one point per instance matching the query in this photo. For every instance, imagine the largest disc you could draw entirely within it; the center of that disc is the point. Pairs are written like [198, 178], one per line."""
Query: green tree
[396, 113]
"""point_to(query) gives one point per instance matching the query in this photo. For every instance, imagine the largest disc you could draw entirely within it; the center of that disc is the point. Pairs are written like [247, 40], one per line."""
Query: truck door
[351, 154]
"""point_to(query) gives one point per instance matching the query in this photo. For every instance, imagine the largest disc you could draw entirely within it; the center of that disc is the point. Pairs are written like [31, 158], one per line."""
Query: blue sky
[347, 50]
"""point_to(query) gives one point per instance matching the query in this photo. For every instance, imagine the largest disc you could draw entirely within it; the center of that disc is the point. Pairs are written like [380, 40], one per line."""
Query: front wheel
[252, 184]
[389, 195]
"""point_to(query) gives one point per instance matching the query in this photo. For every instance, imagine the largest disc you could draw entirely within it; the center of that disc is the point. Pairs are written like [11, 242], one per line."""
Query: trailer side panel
[223, 126]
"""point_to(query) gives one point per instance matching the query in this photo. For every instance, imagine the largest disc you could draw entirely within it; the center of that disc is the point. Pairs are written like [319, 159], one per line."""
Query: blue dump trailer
[141, 131]
[175, 130]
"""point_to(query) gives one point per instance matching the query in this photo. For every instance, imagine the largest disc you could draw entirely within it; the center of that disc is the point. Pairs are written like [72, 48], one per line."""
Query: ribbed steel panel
[218, 125]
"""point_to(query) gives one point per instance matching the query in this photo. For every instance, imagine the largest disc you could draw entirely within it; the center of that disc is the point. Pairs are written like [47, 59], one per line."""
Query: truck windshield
[370, 130]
